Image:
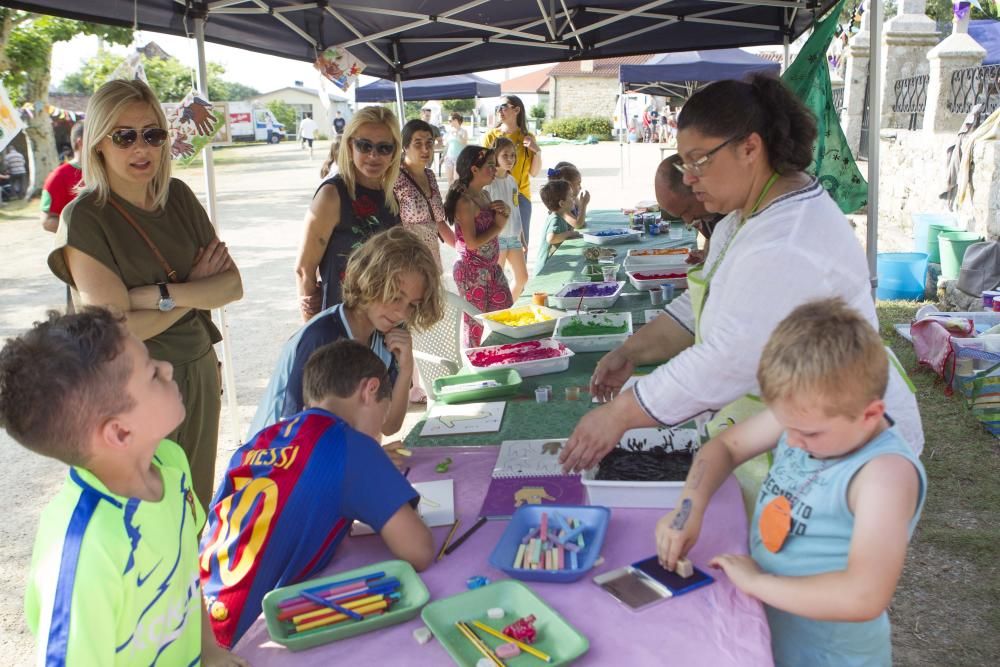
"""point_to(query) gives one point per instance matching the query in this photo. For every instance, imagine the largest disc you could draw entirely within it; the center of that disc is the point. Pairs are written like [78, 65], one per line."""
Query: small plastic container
[609, 273]
[508, 381]
[562, 300]
[611, 236]
[596, 343]
[556, 637]
[555, 364]
[538, 328]
[652, 278]
[656, 495]
[656, 257]
[414, 595]
[594, 519]
[667, 289]
[656, 297]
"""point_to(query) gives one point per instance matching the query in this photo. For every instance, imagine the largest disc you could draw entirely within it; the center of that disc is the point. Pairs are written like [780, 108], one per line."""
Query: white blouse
[798, 249]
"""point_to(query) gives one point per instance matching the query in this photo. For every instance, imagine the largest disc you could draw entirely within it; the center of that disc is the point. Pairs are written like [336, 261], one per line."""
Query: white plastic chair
[438, 351]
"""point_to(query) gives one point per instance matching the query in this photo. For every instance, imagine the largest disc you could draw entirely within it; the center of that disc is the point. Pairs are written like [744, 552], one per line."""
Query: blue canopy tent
[676, 74]
[987, 33]
[458, 86]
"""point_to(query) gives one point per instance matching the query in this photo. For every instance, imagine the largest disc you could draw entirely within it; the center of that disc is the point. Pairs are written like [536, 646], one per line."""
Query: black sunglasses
[126, 136]
[364, 146]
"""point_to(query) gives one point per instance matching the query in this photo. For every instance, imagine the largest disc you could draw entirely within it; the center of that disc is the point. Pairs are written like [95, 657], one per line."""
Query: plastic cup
[572, 393]
[667, 289]
[676, 231]
[541, 395]
[656, 297]
[539, 298]
[609, 273]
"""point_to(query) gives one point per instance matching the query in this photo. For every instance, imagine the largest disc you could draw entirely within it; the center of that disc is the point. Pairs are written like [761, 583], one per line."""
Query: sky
[263, 72]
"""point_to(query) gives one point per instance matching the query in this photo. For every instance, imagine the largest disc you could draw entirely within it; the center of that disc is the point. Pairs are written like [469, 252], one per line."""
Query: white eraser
[684, 568]
[422, 635]
[495, 612]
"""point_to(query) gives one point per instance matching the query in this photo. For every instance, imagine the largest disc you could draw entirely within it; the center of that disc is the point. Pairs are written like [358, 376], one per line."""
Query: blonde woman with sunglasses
[349, 207]
[139, 241]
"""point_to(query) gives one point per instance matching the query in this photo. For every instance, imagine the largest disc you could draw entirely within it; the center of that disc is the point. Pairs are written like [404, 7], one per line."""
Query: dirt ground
[263, 192]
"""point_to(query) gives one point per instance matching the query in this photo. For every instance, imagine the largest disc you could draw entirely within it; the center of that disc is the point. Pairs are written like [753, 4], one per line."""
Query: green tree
[465, 106]
[284, 113]
[169, 78]
[538, 111]
[26, 41]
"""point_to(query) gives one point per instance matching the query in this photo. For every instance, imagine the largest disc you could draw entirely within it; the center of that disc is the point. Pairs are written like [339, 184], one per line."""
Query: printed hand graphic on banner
[199, 113]
[180, 147]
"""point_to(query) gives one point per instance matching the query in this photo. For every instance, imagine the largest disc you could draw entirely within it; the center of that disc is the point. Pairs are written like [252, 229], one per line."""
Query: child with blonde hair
[391, 285]
[834, 516]
[504, 188]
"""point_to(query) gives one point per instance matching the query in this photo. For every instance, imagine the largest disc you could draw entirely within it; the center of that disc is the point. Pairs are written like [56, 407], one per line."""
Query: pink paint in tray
[533, 357]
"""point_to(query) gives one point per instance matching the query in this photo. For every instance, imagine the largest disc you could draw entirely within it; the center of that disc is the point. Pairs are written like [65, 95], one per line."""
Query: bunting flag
[192, 125]
[339, 66]
[130, 68]
[10, 119]
[808, 77]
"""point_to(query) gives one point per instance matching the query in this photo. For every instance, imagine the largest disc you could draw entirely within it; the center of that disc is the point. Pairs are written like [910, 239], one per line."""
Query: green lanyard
[763, 193]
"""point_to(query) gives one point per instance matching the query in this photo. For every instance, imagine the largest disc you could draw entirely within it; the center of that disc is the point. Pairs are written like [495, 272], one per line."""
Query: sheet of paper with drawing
[528, 472]
[436, 508]
[444, 419]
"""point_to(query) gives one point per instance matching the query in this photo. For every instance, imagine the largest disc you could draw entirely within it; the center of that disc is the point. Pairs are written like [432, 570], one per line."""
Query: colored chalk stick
[519, 558]
[544, 530]
[573, 561]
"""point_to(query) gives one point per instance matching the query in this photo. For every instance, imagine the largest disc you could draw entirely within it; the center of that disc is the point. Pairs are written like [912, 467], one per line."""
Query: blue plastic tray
[594, 518]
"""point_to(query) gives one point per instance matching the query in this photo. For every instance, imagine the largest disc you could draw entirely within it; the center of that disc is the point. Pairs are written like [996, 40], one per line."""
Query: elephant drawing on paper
[533, 495]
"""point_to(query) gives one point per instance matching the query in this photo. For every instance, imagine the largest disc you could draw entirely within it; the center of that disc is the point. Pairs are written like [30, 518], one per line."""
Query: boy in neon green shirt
[114, 573]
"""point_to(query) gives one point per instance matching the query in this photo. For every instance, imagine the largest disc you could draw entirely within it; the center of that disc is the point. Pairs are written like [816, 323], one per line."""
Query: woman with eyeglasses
[139, 241]
[421, 209]
[349, 207]
[784, 242]
[513, 125]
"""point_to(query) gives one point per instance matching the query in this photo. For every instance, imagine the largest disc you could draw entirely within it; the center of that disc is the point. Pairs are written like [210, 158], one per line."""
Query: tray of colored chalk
[531, 357]
[346, 604]
[553, 543]
[609, 236]
[592, 332]
[521, 321]
[508, 608]
[592, 295]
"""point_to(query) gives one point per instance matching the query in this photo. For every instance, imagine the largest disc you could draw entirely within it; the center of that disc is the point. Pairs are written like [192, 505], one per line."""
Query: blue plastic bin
[901, 275]
[594, 519]
[921, 221]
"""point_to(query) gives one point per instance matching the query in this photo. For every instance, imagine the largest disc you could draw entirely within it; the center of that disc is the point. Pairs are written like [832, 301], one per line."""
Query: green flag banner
[809, 78]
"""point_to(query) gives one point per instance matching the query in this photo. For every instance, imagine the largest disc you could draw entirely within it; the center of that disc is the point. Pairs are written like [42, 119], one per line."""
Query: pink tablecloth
[716, 625]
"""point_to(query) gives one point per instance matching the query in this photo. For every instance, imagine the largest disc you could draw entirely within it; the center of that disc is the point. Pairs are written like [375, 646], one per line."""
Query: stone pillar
[858, 52]
[957, 51]
[906, 39]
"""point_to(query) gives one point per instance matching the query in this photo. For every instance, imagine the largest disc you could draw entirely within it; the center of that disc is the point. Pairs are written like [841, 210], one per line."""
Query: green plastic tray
[556, 636]
[414, 596]
[509, 379]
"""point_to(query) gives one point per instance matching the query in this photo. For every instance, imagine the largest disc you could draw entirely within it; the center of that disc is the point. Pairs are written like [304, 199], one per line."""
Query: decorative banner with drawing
[192, 124]
[339, 66]
[446, 419]
[10, 119]
[131, 68]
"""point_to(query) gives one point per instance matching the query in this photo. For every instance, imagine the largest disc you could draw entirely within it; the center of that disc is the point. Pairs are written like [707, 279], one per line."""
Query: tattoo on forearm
[696, 475]
[682, 515]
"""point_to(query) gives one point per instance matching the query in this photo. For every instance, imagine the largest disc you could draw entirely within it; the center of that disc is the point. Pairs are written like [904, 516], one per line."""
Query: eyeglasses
[382, 148]
[697, 168]
[126, 136]
[505, 105]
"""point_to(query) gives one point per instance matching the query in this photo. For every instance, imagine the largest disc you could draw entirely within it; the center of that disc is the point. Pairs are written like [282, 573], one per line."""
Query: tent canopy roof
[458, 86]
[671, 73]
[423, 38]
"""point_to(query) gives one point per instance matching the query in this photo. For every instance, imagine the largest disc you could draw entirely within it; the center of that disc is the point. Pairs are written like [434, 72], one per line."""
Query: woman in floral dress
[478, 222]
[420, 207]
[349, 207]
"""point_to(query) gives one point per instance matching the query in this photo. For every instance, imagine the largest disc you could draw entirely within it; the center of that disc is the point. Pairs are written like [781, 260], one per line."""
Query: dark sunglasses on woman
[126, 136]
[365, 147]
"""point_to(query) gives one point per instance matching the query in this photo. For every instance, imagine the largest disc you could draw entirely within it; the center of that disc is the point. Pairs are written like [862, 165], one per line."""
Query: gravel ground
[263, 193]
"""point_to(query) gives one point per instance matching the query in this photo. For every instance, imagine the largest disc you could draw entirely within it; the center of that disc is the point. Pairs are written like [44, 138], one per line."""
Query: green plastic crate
[556, 636]
[509, 379]
[414, 595]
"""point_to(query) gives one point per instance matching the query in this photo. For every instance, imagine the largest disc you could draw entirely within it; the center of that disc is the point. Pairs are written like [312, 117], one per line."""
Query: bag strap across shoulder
[171, 274]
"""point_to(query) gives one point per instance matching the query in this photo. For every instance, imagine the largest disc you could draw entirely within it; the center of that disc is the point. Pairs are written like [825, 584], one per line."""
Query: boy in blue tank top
[834, 516]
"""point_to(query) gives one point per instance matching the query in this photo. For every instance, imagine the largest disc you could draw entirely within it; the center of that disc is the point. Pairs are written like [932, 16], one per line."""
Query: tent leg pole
[784, 54]
[621, 145]
[228, 374]
[400, 109]
[874, 128]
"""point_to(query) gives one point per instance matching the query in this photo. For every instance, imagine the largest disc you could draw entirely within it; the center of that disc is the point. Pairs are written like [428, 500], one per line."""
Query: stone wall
[913, 172]
[584, 96]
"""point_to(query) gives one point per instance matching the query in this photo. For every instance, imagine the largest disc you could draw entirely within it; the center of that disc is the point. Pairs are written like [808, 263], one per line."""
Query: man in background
[17, 168]
[307, 132]
[677, 200]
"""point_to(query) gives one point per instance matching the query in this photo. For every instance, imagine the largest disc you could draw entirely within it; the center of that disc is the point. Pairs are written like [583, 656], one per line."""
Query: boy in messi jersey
[114, 573]
[291, 493]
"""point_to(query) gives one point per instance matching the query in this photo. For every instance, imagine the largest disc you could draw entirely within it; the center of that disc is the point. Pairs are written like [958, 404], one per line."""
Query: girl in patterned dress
[478, 222]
